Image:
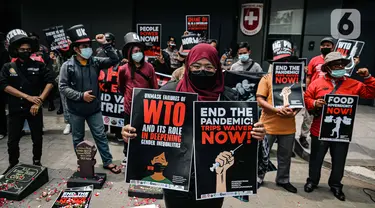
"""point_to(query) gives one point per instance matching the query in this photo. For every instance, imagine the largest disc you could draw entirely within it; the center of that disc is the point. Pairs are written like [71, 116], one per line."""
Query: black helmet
[109, 36]
[16, 37]
[131, 39]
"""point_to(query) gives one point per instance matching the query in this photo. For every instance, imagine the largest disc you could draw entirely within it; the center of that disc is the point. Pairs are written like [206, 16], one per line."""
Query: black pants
[3, 117]
[126, 122]
[16, 122]
[338, 151]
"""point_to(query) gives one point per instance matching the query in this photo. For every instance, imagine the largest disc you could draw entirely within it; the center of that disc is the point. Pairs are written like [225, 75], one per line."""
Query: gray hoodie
[243, 66]
[75, 79]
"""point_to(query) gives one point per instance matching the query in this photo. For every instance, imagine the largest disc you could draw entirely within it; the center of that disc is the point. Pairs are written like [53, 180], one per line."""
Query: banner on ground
[287, 85]
[245, 83]
[349, 49]
[150, 35]
[225, 152]
[338, 118]
[161, 154]
[79, 197]
[112, 100]
[199, 24]
[56, 37]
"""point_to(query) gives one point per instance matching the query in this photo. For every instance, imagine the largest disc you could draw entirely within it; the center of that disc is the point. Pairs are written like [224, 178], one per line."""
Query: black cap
[327, 39]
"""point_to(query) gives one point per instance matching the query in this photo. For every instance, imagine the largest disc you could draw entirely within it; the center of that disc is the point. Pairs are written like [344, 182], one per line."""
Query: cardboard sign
[245, 83]
[161, 154]
[349, 49]
[150, 34]
[79, 197]
[112, 101]
[199, 24]
[226, 155]
[56, 37]
[287, 85]
[338, 118]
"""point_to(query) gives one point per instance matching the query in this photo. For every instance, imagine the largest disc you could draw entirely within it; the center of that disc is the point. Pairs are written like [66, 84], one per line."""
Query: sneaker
[67, 129]
[124, 161]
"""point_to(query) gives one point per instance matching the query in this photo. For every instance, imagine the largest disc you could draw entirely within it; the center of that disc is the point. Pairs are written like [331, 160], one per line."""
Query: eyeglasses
[24, 49]
[208, 67]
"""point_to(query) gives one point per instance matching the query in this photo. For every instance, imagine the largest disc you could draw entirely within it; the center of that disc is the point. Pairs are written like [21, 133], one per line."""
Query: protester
[203, 76]
[279, 123]
[136, 73]
[79, 84]
[245, 63]
[333, 82]
[23, 81]
[169, 56]
[111, 39]
[4, 58]
[228, 59]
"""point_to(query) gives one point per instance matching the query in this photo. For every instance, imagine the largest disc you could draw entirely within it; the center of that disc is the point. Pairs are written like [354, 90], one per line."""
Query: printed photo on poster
[112, 101]
[245, 83]
[349, 49]
[56, 37]
[161, 154]
[225, 152]
[199, 24]
[74, 197]
[150, 34]
[287, 85]
[338, 118]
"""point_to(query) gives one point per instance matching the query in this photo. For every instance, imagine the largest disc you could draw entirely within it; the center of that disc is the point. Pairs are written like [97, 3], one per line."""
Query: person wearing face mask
[136, 73]
[314, 72]
[333, 82]
[111, 39]
[171, 53]
[79, 84]
[27, 83]
[203, 76]
[245, 63]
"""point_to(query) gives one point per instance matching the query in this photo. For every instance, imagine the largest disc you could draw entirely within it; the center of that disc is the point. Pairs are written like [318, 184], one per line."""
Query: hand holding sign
[128, 132]
[100, 38]
[363, 72]
[319, 103]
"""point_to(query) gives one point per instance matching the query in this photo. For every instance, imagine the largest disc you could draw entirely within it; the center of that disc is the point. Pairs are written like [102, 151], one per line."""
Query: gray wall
[108, 16]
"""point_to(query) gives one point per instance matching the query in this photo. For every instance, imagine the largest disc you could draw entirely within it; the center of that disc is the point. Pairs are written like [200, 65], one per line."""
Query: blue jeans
[95, 123]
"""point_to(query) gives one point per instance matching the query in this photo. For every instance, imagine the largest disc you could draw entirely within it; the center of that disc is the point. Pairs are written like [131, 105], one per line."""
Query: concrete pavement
[59, 157]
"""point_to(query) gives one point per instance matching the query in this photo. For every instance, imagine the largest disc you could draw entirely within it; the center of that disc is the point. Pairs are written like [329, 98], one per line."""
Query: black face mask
[325, 51]
[158, 167]
[203, 79]
[24, 55]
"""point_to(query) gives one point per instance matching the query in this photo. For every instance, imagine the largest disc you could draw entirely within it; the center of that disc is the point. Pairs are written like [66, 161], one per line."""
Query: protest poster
[74, 197]
[245, 83]
[199, 24]
[150, 34]
[287, 85]
[338, 118]
[161, 154]
[56, 37]
[112, 101]
[226, 155]
[349, 49]
[162, 78]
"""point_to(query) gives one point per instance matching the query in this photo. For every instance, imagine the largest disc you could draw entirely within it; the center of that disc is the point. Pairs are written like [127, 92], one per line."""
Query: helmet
[131, 39]
[16, 37]
[109, 36]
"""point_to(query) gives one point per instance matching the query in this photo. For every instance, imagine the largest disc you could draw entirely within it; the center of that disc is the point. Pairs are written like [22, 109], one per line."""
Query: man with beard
[27, 83]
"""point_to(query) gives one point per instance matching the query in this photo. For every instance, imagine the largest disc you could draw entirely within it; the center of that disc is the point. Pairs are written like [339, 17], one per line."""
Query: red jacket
[324, 85]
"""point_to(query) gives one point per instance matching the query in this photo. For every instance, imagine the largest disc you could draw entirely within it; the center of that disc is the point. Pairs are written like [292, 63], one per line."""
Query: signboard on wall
[251, 18]
[199, 24]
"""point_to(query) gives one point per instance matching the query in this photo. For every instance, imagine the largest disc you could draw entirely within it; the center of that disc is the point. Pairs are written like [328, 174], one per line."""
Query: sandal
[113, 169]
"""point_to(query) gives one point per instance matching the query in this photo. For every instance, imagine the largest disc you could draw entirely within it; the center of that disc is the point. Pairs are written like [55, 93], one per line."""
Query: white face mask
[86, 53]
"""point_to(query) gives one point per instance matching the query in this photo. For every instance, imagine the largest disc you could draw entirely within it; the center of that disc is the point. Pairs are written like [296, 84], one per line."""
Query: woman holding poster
[135, 74]
[334, 82]
[203, 76]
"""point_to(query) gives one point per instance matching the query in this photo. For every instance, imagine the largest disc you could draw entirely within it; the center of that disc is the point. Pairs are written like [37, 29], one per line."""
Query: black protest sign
[161, 154]
[112, 100]
[199, 24]
[287, 85]
[56, 37]
[245, 83]
[150, 34]
[349, 49]
[225, 152]
[338, 118]
[79, 197]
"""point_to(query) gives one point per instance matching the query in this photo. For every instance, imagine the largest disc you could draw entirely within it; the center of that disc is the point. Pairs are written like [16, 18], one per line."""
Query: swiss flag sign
[251, 18]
